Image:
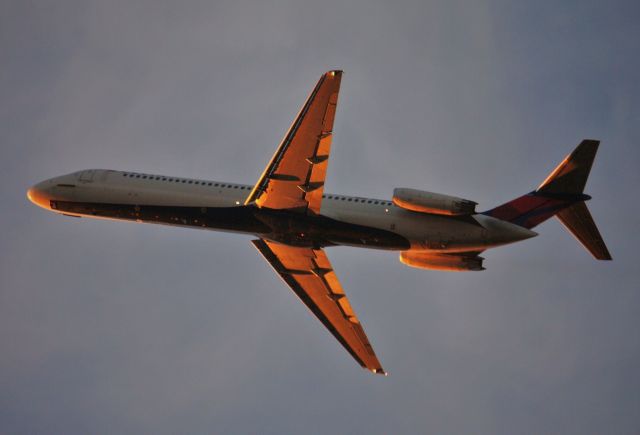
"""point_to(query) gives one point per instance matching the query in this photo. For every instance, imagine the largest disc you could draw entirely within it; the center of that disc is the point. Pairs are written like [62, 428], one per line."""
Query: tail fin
[561, 195]
[571, 174]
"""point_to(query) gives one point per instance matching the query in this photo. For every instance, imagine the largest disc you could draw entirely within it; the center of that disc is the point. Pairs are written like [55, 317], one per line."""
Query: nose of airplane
[39, 195]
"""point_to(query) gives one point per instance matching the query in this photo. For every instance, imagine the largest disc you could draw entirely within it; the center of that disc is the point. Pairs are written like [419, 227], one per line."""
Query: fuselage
[204, 204]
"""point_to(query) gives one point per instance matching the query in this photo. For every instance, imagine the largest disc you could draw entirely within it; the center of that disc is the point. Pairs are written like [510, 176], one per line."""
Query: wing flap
[309, 274]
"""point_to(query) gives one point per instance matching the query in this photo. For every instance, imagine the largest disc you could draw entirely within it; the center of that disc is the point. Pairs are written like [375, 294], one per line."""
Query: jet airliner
[294, 220]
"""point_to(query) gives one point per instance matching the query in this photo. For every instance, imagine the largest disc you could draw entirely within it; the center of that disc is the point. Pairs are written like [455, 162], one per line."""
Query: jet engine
[434, 203]
[451, 262]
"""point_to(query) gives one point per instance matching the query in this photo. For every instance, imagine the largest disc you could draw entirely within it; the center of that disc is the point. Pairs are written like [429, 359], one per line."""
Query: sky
[113, 327]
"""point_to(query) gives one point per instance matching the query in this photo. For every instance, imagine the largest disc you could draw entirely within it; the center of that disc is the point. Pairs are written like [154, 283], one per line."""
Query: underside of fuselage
[276, 225]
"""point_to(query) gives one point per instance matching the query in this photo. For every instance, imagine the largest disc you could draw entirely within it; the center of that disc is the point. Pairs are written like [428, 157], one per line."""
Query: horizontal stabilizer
[579, 222]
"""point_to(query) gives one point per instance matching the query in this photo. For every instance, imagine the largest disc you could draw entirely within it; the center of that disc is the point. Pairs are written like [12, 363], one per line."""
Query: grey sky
[109, 327]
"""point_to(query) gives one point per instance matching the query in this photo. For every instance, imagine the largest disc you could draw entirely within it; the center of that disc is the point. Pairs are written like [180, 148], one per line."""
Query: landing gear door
[86, 176]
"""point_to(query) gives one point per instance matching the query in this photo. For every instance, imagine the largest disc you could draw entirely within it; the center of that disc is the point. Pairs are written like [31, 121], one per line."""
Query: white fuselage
[422, 231]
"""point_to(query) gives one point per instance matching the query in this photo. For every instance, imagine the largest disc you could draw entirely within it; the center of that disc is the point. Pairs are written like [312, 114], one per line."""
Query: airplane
[294, 220]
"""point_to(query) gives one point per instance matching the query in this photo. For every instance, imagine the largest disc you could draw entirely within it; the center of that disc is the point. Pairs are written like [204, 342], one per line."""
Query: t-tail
[561, 195]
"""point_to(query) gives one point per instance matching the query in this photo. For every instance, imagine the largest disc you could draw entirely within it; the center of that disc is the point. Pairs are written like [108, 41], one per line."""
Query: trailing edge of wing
[309, 274]
[294, 178]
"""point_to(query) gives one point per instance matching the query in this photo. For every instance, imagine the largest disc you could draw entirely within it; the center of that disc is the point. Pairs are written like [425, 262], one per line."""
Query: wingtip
[603, 256]
[334, 72]
[379, 371]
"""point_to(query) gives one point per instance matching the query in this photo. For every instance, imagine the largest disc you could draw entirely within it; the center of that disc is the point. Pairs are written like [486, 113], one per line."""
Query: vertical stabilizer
[570, 176]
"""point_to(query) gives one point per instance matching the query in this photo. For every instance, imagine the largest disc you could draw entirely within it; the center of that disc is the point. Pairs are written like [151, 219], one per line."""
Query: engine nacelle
[434, 203]
[450, 262]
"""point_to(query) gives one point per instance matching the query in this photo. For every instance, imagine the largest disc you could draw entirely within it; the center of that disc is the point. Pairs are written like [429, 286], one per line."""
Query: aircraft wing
[309, 274]
[294, 178]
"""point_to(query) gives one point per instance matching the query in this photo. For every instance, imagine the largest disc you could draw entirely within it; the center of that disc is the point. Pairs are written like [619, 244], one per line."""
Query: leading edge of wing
[310, 275]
